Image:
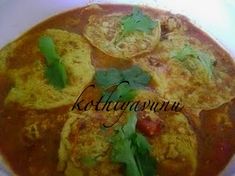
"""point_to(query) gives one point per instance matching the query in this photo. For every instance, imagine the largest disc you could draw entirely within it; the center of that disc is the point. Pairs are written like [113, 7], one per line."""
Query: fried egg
[103, 32]
[32, 90]
[85, 147]
[173, 81]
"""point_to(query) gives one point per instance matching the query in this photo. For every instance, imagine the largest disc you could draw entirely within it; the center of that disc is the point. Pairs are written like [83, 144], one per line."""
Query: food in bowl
[116, 90]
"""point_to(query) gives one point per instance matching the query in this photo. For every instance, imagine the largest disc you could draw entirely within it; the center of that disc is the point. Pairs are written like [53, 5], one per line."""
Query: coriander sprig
[55, 71]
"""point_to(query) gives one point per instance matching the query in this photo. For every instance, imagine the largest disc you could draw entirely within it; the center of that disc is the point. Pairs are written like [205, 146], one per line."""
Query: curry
[54, 77]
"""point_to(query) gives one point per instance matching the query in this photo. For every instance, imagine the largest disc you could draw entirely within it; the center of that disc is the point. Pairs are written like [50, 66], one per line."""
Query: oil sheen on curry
[53, 76]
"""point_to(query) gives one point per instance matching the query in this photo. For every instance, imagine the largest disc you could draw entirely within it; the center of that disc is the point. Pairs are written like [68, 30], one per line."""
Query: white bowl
[216, 17]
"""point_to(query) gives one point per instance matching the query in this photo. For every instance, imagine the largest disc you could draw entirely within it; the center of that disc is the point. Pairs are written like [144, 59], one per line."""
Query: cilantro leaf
[142, 150]
[55, 71]
[56, 75]
[184, 53]
[136, 77]
[123, 93]
[191, 57]
[207, 62]
[129, 127]
[137, 21]
[47, 48]
[109, 78]
[142, 143]
[122, 153]
[133, 150]
[146, 165]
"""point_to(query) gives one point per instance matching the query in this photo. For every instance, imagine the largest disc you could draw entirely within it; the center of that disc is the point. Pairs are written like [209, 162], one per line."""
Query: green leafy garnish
[89, 161]
[133, 150]
[192, 57]
[136, 77]
[123, 93]
[55, 71]
[184, 53]
[136, 21]
[109, 78]
[207, 62]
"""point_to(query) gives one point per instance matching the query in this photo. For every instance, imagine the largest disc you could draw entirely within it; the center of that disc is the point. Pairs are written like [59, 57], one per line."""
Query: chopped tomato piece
[149, 127]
